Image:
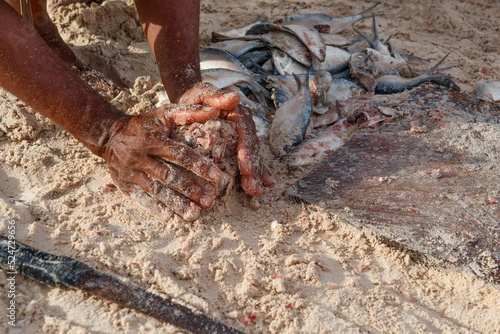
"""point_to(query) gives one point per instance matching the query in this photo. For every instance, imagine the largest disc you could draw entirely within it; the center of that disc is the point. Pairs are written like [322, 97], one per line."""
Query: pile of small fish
[298, 74]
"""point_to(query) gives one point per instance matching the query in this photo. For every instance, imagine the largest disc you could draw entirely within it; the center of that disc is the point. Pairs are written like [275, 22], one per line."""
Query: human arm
[133, 147]
[172, 30]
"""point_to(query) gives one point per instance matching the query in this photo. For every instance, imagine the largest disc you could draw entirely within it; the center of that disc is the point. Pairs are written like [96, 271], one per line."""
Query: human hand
[145, 163]
[253, 173]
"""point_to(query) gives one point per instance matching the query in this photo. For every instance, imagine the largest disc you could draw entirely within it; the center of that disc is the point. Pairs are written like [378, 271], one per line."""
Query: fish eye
[308, 56]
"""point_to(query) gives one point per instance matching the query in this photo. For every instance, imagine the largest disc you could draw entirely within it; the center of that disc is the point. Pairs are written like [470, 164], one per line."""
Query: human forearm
[172, 29]
[32, 72]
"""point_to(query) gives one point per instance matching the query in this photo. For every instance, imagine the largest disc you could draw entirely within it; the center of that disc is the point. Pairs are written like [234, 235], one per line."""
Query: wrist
[105, 121]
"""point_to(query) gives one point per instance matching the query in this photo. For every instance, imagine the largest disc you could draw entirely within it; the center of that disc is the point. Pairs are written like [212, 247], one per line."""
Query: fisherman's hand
[144, 162]
[250, 164]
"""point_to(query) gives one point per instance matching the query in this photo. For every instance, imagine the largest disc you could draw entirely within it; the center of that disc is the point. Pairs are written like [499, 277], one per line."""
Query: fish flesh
[335, 24]
[314, 150]
[342, 89]
[379, 64]
[291, 121]
[359, 71]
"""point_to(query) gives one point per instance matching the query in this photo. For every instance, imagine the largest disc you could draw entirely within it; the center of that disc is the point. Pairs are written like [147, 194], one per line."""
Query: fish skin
[392, 84]
[337, 24]
[359, 71]
[335, 40]
[336, 60]
[217, 58]
[291, 122]
[489, 91]
[288, 43]
[311, 38]
[329, 117]
[314, 150]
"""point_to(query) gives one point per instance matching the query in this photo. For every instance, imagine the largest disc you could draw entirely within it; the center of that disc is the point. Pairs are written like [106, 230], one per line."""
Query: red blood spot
[275, 276]
[308, 56]
[289, 306]
[247, 318]
[485, 70]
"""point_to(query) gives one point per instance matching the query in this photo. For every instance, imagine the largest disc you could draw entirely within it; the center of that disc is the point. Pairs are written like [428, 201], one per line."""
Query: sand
[264, 265]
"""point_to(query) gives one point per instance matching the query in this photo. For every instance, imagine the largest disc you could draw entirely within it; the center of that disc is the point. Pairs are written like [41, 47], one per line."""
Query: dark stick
[52, 270]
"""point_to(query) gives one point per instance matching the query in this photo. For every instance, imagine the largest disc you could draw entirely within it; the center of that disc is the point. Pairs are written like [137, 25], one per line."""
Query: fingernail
[206, 201]
[215, 173]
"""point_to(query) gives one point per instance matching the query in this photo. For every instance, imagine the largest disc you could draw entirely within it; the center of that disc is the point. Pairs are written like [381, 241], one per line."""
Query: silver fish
[221, 78]
[391, 84]
[336, 24]
[489, 91]
[282, 40]
[286, 65]
[217, 58]
[291, 122]
[310, 37]
[336, 60]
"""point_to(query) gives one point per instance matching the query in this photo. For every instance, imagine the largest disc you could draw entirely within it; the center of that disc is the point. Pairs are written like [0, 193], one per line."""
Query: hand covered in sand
[145, 163]
[250, 164]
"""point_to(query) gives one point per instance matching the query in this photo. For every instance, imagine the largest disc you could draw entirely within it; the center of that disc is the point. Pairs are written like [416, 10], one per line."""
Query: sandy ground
[295, 268]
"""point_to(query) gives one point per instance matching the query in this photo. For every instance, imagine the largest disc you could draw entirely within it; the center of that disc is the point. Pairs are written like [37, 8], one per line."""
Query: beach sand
[260, 265]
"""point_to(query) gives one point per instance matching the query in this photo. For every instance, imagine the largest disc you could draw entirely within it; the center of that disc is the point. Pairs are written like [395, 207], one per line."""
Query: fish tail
[374, 29]
[434, 69]
[369, 9]
[365, 37]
